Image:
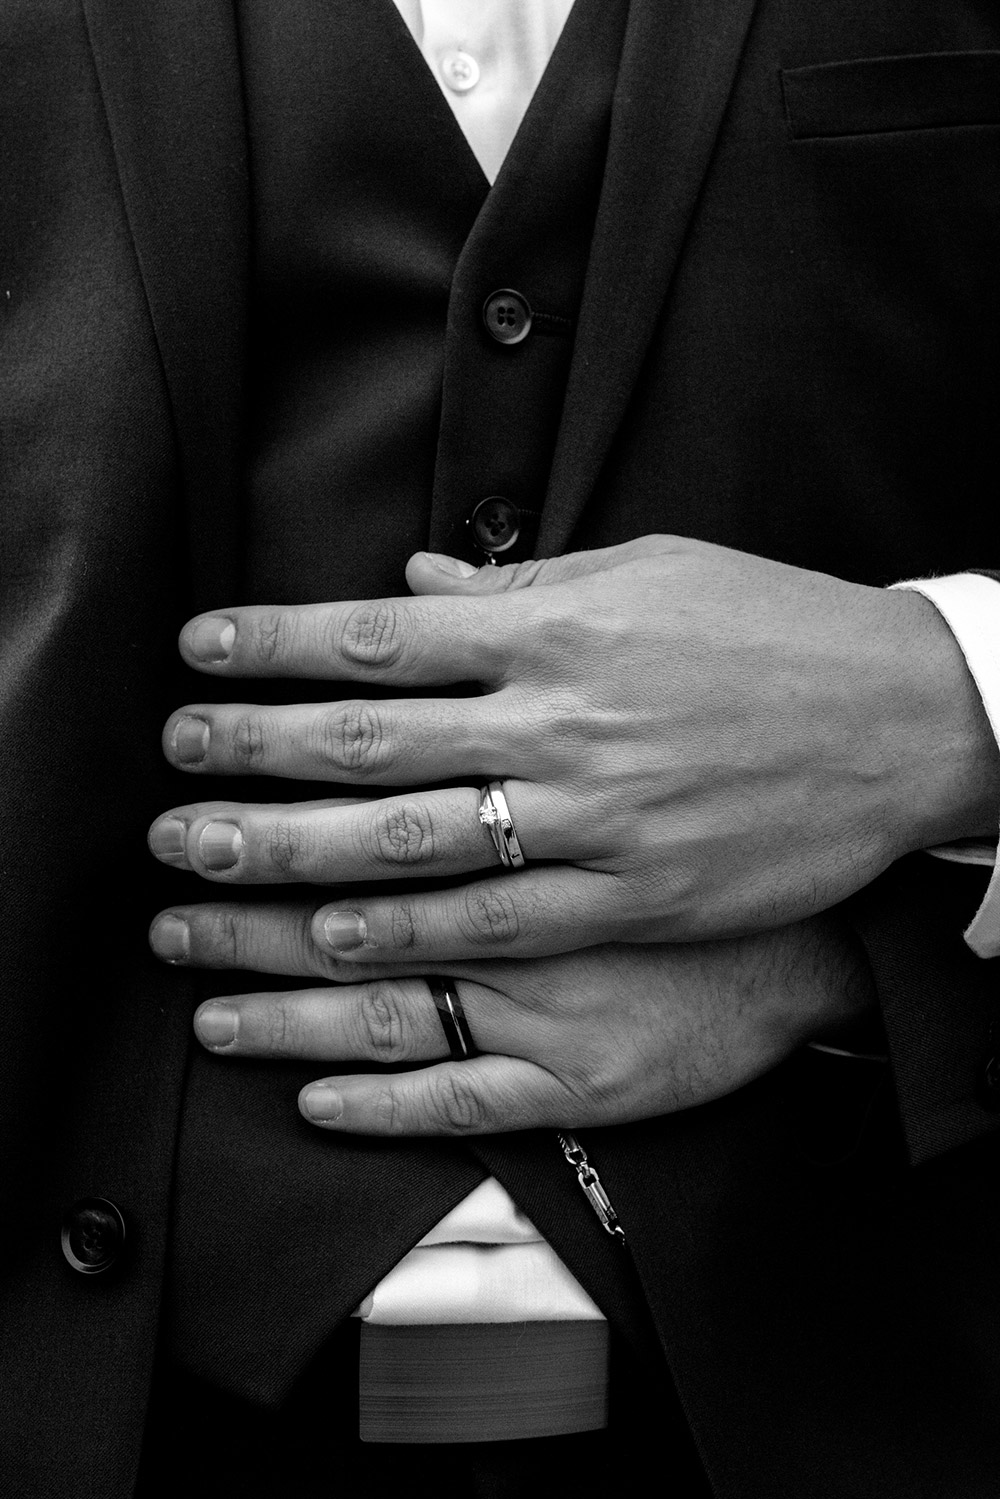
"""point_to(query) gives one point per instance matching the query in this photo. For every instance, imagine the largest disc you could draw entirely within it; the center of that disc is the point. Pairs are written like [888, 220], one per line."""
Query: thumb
[431, 572]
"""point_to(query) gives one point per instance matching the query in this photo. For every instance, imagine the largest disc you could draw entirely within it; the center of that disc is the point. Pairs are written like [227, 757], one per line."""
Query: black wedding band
[453, 1021]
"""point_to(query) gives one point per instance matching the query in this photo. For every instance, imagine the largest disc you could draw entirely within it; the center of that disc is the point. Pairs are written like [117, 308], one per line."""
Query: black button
[495, 524]
[989, 1085]
[507, 316]
[988, 1081]
[93, 1235]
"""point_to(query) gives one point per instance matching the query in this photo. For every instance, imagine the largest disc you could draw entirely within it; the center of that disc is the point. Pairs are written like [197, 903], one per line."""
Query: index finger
[405, 640]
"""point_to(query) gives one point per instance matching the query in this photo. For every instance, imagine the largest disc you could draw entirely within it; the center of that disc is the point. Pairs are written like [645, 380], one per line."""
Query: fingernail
[453, 566]
[345, 930]
[217, 1025]
[168, 841]
[211, 639]
[190, 741]
[322, 1102]
[220, 845]
[170, 939]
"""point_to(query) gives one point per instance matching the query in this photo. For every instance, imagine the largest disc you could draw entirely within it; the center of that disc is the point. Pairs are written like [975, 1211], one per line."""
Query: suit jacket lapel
[678, 65]
[170, 78]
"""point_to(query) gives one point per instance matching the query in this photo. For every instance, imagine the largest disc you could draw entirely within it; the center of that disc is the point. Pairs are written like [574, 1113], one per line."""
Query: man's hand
[600, 1037]
[693, 743]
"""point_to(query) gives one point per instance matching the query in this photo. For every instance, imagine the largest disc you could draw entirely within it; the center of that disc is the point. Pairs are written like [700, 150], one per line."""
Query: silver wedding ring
[494, 814]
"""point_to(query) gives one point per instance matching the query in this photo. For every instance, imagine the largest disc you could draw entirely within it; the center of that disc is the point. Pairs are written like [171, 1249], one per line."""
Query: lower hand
[693, 742]
[602, 1036]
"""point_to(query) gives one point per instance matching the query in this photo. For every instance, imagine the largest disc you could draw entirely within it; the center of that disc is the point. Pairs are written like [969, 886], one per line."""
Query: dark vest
[389, 403]
[385, 411]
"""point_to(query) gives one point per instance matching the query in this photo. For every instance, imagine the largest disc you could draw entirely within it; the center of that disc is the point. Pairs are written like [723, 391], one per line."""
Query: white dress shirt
[970, 603]
[485, 1262]
[487, 56]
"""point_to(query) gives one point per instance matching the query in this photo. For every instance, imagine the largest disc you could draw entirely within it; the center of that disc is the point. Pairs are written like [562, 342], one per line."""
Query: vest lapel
[169, 76]
[678, 66]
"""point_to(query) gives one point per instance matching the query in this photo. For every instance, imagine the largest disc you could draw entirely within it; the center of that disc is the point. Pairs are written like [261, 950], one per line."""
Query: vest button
[93, 1235]
[507, 316]
[495, 524]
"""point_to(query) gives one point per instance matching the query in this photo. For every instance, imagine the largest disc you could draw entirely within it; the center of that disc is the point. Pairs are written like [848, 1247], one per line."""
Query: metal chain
[591, 1184]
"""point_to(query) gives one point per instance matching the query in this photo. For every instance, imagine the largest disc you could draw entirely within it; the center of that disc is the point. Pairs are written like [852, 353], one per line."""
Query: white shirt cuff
[970, 605]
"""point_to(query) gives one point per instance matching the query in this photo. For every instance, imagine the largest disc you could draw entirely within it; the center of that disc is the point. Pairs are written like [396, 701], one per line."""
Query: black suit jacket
[787, 344]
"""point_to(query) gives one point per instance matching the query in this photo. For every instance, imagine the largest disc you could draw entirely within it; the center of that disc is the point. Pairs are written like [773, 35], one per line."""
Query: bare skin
[695, 744]
[600, 1036]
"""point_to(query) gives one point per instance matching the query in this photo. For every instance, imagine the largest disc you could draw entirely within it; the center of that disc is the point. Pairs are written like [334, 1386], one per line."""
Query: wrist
[939, 743]
[826, 984]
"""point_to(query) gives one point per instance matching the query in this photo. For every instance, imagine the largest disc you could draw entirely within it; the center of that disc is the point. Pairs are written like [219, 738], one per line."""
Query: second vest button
[495, 524]
[507, 316]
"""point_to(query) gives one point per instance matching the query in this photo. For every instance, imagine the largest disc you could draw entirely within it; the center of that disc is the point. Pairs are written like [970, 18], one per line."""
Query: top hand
[694, 742]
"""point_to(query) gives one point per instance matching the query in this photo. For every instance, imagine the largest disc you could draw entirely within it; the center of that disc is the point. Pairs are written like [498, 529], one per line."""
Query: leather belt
[482, 1381]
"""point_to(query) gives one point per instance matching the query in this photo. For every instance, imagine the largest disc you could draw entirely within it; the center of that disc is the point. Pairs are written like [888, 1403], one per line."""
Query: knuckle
[218, 937]
[285, 843]
[402, 928]
[270, 638]
[388, 1112]
[567, 636]
[278, 1029]
[381, 1018]
[247, 740]
[609, 624]
[404, 834]
[351, 737]
[557, 633]
[455, 1104]
[489, 915]
[227, 938]
[372, 634]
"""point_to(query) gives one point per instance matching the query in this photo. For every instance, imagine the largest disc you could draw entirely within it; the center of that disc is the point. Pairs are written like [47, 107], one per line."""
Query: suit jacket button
[495, 524]
[989, 1084]
[507, 316]
[93, 1235]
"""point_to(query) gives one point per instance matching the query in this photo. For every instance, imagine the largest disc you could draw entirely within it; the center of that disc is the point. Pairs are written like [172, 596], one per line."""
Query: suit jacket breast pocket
[872, 95]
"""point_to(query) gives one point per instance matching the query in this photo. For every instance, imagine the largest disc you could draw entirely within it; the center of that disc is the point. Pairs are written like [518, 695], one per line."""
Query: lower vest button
[93, 1236]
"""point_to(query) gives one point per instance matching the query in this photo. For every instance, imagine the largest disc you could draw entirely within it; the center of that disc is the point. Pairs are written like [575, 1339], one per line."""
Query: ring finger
[430, 833]
[385, 1020]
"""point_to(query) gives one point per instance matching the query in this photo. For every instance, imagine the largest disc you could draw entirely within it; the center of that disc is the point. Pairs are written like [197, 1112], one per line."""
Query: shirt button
[507, 316]
[460, 71]
[495, 524]
[93, 1235]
